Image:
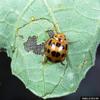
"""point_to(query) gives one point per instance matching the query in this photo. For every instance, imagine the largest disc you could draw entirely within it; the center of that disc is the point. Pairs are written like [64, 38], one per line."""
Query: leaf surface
[80, 22]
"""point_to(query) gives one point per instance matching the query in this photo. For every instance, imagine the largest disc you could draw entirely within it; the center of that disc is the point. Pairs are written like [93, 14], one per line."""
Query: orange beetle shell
[55, 48]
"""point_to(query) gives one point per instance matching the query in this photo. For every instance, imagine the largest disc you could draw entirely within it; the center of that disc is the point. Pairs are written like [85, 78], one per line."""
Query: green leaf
[78, 20]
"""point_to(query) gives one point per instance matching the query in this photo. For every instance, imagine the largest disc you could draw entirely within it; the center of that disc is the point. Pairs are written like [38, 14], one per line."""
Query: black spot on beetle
[58, 44]
[62, 55]
[66, 46]
[50, 42]
[59, 39]
[53, 53]
[63, 47]
[48, 50]
[57, 54]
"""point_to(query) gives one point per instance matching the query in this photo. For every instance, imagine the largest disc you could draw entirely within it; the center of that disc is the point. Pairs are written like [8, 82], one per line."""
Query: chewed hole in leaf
[31, 45]
[39, 49]
[50, 33]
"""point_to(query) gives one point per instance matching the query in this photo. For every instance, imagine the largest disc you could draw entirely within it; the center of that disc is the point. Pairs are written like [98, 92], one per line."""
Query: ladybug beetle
[55, 48]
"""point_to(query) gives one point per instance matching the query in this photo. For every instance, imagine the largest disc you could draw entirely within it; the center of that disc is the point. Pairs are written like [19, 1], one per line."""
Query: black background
[11, 88]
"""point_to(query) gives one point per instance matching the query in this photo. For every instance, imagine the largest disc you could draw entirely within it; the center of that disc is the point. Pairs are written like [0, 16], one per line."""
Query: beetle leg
[62, 63]
[44, 59]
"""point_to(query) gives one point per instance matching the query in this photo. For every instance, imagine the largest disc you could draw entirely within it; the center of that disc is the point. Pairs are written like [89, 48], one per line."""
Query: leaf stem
[52, 15]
